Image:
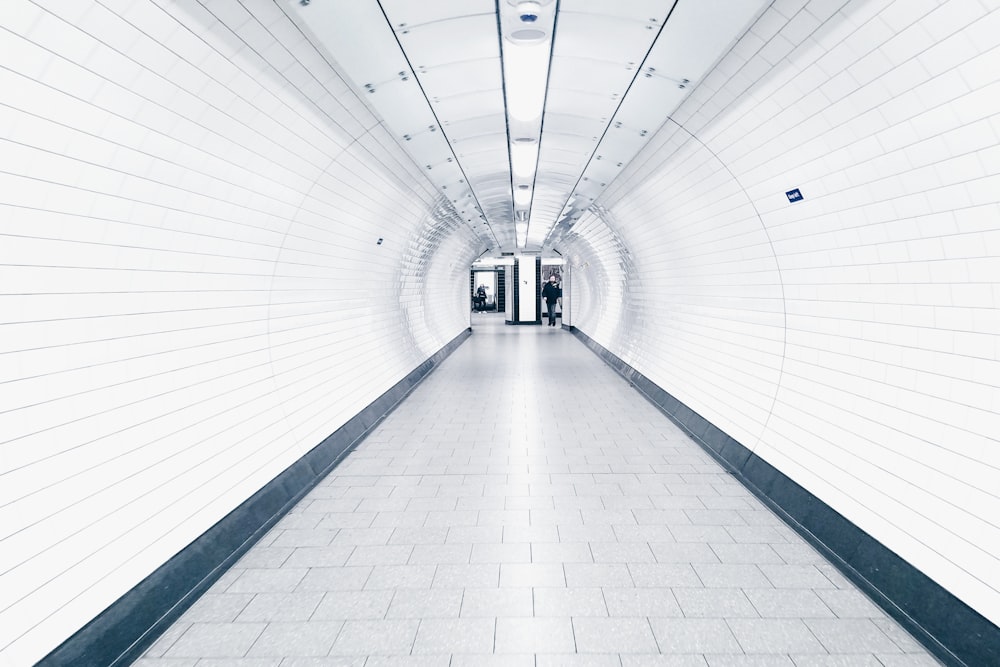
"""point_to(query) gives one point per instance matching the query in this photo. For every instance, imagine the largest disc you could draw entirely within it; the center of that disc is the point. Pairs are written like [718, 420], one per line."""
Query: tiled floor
[525, 506]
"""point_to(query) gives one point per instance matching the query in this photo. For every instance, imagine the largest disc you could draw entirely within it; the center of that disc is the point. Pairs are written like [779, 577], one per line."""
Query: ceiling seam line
[621, 101]
[541, 130]
[451, 148]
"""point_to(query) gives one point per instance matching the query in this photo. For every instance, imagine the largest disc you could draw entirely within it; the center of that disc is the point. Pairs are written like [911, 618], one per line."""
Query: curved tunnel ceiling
[433, 72]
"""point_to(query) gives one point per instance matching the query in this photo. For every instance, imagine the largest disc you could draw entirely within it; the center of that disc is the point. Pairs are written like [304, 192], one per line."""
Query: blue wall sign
[794, 195]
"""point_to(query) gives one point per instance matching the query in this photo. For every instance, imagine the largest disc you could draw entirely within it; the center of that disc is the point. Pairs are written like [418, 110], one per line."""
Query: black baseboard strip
[947, 627]
[119, 634]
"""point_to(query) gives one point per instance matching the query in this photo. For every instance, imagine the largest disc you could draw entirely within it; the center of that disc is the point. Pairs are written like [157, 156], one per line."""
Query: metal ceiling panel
[690, 42]
[407, 14]
[433, 72]
[458, 39]
[454, 49]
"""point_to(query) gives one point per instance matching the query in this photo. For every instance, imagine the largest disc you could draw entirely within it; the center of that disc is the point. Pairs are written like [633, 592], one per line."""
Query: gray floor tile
[849, 604]
[644, 534]
[663, 575]
[683, 552]
[747, 553]
[400, 576]
[402, 661]
[501, 553]
[418, 535]
[708, 534]
[798, 553]
[900, 637]
[532, 574]
[318, 556]
[353, 605]
[266, 607]
[907, 660]
[628, 552]
[597, 575]
[731, 575]
[266, 557]
[503, 660]
[646, 602]
[418, 603]
[355, 537]
[334, 579]
[337, 520]
[614, 635]
[561, 552]
[467, 575]
[427, 554]
[463, 635]
[577, 660]
[590, 532]
[382, 637]
[773, 635]
[825, 660]
[781, 603]
[396, 554]
[569, 602]
[795, 576]
[475, 535]
[268, 581]
[715, 603]
[851, 635]
[218, 607]
[534, 635]
[693, 660]
[216, 640]
[694, 635]
[247, 662]
[707, 517]
[399, 519]
[521, 534]
[305, 638]
[749, 661]
[304, 538]
[494, 602]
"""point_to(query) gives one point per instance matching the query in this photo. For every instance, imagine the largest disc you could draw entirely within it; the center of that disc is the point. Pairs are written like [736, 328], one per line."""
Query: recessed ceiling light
[528, 35]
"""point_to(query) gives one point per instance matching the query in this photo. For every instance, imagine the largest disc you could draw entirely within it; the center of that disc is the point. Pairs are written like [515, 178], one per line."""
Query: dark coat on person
[550, 292]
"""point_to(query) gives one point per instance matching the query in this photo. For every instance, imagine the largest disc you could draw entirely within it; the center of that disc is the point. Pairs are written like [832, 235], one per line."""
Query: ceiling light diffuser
[526, 70]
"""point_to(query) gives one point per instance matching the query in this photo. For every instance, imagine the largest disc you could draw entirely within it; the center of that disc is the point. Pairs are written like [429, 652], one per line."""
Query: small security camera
[527, 12]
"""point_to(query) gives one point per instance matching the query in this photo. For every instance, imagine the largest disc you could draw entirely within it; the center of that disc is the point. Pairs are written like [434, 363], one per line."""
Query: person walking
[481, 298]
[551, 295]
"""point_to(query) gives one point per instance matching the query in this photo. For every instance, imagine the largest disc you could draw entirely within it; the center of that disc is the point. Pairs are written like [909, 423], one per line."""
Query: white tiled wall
[851, 339]
[191, 290]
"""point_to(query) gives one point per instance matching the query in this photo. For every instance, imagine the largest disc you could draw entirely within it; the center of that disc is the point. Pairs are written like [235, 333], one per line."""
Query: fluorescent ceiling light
[526, 69]
[522, 197]
[523, 159]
